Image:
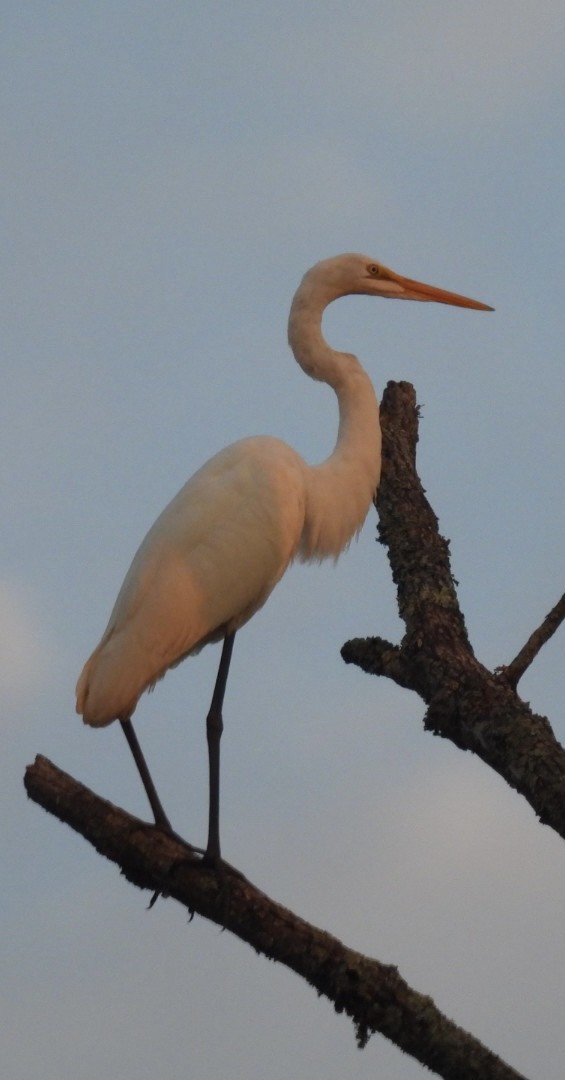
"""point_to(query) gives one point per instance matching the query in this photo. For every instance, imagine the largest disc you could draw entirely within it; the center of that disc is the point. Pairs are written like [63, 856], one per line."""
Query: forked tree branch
[513, 672]
[466, 702]
[373, 994]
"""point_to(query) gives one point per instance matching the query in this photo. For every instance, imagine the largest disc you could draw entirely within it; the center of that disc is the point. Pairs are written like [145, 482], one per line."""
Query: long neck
[340, 490]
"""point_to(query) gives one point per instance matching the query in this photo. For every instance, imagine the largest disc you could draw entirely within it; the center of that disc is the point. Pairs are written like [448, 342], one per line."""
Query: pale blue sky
[169, 172]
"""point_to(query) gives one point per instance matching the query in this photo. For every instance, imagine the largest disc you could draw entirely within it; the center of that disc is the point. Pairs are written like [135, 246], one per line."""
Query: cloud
[26, 656]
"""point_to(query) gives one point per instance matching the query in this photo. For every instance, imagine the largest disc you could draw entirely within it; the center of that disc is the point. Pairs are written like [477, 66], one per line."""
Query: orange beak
[417, 290]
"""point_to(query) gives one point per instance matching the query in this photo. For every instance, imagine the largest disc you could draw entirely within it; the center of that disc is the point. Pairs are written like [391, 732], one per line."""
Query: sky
[169, 172]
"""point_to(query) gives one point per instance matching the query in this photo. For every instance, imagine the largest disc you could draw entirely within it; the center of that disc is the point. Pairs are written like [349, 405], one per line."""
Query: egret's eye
[374, 270]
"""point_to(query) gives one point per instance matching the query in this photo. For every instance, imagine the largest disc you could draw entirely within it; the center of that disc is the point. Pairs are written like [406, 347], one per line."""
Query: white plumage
[218, 549]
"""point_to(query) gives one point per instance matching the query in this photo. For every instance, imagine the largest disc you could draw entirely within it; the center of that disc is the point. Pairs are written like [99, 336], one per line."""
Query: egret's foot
[212, 858]
[166, 827]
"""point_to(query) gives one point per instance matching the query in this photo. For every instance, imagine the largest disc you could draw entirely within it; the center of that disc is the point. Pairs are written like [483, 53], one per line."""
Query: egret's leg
[154, 800]
[214, 728]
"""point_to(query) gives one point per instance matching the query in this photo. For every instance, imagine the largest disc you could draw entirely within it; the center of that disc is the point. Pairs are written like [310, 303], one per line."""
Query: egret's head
[350, 274]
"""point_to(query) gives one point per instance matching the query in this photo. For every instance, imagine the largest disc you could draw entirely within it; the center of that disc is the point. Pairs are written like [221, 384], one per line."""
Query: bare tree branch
[512, 673]
[466, 702]
[373, 994]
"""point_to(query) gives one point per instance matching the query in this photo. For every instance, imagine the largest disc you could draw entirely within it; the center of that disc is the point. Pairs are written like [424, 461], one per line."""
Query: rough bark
[477, 709]
[374, 995]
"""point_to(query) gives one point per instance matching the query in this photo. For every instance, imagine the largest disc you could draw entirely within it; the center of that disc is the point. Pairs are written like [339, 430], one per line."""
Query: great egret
[219, 548]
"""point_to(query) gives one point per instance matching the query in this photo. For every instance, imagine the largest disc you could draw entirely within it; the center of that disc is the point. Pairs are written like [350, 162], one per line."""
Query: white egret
[219, 548]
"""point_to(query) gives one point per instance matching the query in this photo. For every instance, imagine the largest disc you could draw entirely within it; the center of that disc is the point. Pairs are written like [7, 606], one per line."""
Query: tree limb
[512, 673]
[466, 702]
[373, 994]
